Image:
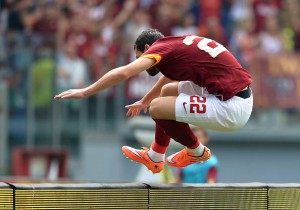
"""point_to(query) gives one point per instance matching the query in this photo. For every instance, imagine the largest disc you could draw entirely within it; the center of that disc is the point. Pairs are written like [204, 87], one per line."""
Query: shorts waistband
[244, 93]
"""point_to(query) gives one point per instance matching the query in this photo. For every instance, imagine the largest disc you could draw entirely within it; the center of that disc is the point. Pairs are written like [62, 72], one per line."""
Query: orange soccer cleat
[141, 156]
[184, 158]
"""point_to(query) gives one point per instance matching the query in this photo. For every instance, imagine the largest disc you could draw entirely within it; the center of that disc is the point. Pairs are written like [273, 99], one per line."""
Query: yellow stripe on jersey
[156, 57]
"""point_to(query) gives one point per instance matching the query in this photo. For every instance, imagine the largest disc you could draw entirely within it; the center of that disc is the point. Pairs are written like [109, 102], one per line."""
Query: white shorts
[196, 106]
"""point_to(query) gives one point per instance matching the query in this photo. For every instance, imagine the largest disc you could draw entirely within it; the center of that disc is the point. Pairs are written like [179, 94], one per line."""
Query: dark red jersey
[201, 60]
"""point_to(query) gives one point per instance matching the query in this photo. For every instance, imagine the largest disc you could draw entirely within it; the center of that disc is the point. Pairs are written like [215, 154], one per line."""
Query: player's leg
[170, 89]
[153, 158]
[162, 140]
[162, 110]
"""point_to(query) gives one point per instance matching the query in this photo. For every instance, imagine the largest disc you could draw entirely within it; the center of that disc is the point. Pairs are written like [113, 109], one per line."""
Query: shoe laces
[145, 148]
[184, 156]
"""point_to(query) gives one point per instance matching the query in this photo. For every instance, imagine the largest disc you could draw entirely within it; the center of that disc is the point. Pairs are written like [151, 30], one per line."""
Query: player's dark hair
[147, 37]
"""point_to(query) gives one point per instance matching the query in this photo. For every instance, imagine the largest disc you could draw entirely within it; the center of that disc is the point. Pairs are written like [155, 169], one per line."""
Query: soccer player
[201, 84]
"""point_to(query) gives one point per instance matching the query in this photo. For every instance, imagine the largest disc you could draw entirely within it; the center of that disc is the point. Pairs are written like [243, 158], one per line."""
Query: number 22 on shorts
[197, 104]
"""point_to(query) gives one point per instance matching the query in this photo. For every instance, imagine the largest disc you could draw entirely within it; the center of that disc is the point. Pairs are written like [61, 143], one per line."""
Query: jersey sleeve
[160, 51]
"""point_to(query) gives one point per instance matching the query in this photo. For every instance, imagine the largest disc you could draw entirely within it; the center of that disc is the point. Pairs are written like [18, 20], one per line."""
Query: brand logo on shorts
[184, 103]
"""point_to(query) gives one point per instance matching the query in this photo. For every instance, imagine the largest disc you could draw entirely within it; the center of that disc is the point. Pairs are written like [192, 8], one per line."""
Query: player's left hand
[72, 93]
[135, 108]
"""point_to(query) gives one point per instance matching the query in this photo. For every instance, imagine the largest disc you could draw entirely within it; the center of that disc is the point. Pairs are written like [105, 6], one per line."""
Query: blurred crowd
[87, 38]
[51, 45]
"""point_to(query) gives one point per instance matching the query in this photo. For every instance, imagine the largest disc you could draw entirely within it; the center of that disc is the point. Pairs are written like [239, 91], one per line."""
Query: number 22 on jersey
[203, 45]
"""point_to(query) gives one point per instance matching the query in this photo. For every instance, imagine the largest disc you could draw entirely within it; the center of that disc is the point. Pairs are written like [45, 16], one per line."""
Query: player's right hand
[72, 93]
[135, 108]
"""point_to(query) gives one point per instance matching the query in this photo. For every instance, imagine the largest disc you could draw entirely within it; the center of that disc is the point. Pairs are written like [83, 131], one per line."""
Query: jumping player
[201, 84]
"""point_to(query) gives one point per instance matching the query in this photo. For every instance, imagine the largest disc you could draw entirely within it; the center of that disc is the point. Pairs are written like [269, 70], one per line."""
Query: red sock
[180, 132]
[158, 148]
[162, 140]
[195, 145]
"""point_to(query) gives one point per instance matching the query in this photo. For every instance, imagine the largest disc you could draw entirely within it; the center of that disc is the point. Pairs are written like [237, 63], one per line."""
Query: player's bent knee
[165, 90]
[170, 89]
[160, 109]
[154, 109]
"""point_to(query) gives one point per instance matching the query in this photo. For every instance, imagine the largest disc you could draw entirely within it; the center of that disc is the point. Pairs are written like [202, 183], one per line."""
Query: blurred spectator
[95, 10]
[206, 172]
[4, 73]
[187, 26]
[42, 79]
[243, 42]
[214, 30]
[139, 22]
[264, 9]
[163, 21]
[15, 21]
[71, 69]
[208, 9]
[226, 20]
[14, 35]
[71, 72]
[78, 33]
[42, 73]
[271, 38]
[42, 22]
[292, 10]
[241, 10]
[100, 50]
[3, 25]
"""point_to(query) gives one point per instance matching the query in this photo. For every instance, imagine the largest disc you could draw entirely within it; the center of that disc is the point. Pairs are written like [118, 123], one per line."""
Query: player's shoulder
[175, 40]
[169, 39]
[165, 45]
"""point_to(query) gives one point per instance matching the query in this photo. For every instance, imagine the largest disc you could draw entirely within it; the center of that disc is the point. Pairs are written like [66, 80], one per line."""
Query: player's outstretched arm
[110, 79]
[143, 104]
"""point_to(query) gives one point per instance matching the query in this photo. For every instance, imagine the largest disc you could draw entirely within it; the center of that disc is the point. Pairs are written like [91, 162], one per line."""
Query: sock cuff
[158, 148]
[195, 145]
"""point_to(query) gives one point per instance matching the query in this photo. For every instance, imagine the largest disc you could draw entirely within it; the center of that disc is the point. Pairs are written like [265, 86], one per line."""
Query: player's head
[143, 42]
[147, 37]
